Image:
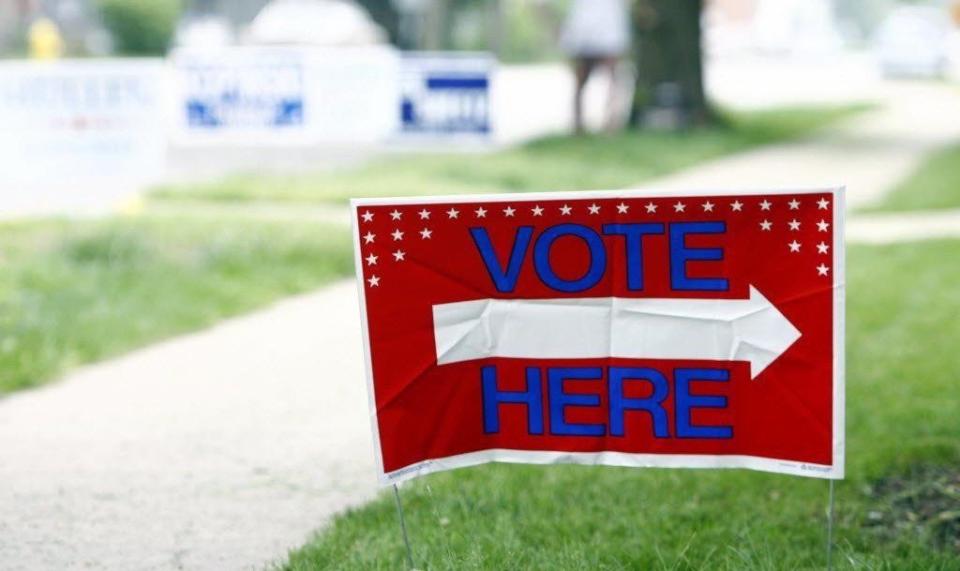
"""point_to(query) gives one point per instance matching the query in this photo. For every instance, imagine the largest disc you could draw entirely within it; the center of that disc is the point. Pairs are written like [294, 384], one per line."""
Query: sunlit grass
[77, 292]
[934, 185]
[559, 163]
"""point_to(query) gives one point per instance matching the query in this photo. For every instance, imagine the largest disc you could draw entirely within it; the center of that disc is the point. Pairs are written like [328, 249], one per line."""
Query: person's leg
[581, 70]
[612, 112]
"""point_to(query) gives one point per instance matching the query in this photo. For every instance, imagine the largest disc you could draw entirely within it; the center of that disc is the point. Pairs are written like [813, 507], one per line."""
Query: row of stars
[426, 233]
[370, 237]
[622, 208]
[822, 247]
[400, 255]
[822, 225]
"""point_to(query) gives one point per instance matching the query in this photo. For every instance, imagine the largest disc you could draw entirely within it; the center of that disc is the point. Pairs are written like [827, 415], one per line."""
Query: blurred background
[123, 95]
[180, 369]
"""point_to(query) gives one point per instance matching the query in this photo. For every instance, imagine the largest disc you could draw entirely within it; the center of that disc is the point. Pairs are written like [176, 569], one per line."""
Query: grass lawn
[898, 509]
[559, 163]
[80, 291]
[934, 185]
[76, 292]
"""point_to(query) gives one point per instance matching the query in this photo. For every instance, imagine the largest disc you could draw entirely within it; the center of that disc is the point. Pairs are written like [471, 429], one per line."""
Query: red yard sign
[619, 328]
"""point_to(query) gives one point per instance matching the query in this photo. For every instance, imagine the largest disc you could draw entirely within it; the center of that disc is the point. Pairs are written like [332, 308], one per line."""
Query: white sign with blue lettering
[446, 94]
[248, 90]
[286, 95]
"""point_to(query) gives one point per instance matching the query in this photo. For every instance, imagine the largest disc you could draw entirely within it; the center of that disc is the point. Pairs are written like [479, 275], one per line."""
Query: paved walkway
[892, 227]
[219, 450]
[223, 449]
[869, 154]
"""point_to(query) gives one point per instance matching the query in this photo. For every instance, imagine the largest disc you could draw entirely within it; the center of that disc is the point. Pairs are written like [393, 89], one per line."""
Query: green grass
[559, 163]
[76, 292]
[902, 412]
[934, 185]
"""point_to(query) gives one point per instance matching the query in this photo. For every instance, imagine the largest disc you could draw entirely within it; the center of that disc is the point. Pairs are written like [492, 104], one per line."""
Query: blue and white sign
[242, 91]
[446, 94]
[286, 95]
[222, 98]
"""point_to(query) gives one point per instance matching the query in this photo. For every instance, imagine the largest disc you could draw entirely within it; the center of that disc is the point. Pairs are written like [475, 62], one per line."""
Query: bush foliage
[141, 27]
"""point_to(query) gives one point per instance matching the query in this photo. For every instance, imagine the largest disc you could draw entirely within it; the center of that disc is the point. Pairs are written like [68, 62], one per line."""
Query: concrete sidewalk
[220, 450]
[869, 154]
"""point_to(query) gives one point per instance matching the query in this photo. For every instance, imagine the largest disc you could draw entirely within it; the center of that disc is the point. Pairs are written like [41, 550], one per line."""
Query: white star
[622, 208]
[397, 235]
[766, 225]
[425, 234]
[794, 225]
[424, 214]
[369, 238]
[765, 205]
[708, 206]
[594, 209]
[679, 207]
[823, 225]
[367, 216]
[481, 212]
[453, 213]
[537, 211]
[508, 211]
[396, 214]
[822, 248]
[794, 204]
[823, 204]
[794, 246]
[371, 260]
[374, 281]
[565, 210]
[399, 255]
[823, 270]
[736, 205]
[651, 207]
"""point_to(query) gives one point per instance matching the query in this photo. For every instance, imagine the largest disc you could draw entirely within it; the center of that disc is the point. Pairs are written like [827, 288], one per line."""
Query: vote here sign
[620, 328]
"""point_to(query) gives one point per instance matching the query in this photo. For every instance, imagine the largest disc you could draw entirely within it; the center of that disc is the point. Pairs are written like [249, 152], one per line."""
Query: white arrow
[751, 329]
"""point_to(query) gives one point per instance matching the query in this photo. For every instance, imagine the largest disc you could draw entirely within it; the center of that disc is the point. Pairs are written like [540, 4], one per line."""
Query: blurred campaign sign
[241, 90]
[286, 95]
[618, 328]
[446, 94]
[63, 122]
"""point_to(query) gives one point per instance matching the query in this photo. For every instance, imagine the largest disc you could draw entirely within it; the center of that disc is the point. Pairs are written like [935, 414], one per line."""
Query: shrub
[141, 27]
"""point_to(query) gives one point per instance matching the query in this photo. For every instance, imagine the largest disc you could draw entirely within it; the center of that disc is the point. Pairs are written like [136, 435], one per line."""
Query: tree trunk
[669, 63]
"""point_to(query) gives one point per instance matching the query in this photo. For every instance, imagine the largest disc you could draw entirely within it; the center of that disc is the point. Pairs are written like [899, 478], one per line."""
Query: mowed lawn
[558, 163]
[934, 185]
[898, 509]
[77, 292]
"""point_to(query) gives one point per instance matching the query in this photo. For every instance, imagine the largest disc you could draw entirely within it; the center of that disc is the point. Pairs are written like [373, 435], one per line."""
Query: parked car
[913, 41]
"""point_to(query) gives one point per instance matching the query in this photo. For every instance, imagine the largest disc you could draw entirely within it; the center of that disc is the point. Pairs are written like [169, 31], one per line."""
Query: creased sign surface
[620, 328]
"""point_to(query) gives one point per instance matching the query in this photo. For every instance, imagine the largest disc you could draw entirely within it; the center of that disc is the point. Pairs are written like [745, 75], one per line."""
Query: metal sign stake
[403, 527]
[830, 529]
